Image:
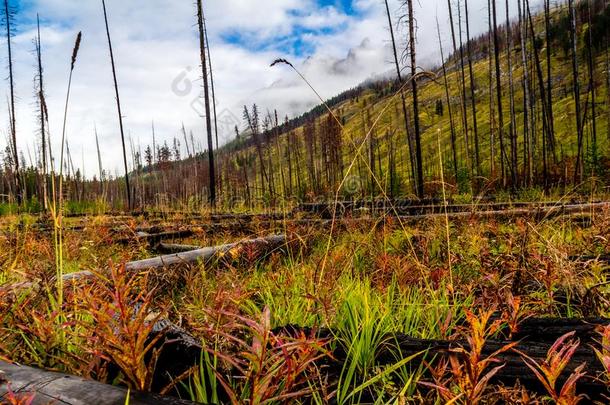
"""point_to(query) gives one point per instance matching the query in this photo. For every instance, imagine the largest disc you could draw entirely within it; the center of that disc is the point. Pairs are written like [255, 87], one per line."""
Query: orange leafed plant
[122, 325]
[603, 354]
[549, 371]
[470, 371]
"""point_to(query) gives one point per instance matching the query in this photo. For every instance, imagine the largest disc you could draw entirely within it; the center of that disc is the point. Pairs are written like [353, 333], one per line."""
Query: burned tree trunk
[449, 107]
[499, 91]
[576, 89]
[120, 114]
[13, 126]
[418, 151]
[402, 95]
[511, 93]
[206, 96]
[472, 92]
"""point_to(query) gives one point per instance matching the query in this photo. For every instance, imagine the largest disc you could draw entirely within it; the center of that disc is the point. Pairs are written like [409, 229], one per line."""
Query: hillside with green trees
[363, 135]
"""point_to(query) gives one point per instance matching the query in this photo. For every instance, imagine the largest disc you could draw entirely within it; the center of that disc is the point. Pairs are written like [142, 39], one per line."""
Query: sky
[336, 44]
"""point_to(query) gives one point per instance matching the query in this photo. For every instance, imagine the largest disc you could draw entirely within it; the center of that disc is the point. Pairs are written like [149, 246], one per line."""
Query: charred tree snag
[402, 94]
[576, 89]
[418, 148]
[120, 114]
[206, 95]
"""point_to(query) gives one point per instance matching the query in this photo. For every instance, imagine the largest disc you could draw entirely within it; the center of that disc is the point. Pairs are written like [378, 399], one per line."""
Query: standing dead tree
[8, 18]
[473, 100]
[118, 104]
[528, 128]
[448, 98]
[511, 96]
[468, 156]
[549, 81]
[496, 41]
[576, 89]
[43, 113]
[412, 54]
[254, 125]
[206, 96]
[402, 95]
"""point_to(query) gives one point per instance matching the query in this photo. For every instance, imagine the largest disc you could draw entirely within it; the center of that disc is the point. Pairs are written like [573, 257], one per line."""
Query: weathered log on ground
[156, 238]
[55, 388]
[171, 248]
[265, 245]
[326, 210]
[535, 345]
[271, 216]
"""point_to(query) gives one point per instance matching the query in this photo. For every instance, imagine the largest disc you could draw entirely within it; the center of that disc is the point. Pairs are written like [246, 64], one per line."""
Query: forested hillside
[524, 106]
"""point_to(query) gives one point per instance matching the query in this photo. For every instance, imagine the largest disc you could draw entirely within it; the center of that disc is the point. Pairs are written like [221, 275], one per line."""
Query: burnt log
[550, 329]
[514, 370]
[45, 387]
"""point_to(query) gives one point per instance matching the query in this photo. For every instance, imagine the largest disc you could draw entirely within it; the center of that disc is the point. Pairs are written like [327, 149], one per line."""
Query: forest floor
[361, 306]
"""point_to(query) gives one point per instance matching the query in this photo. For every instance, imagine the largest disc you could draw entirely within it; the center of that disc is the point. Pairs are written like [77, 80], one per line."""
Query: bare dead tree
[402, 95]
[469, 159]
[473, 100]
[499, 91]
[511, 96]
[546, 138]
[492, 143]
[527, 127]
[576, 88]
[591, 69]
[418, 151]
[448, 98]
[549, 80]
[8, 17]
[206, 95]
[118, 103]
[253, 124]
[43, 111]
[213, 88]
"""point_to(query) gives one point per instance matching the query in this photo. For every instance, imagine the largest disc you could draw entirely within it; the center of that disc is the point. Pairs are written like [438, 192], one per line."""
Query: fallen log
[325, 210]
[550, 329]
[170, 248]
[398, 346]
[191, 257]
[155, 238]
[45, 387]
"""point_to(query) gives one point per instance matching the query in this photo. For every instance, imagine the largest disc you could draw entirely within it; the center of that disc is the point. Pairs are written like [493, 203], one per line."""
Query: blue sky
[337, 44]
